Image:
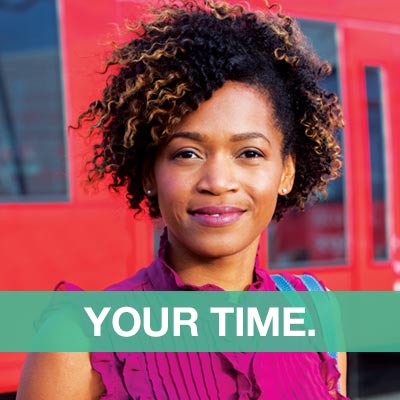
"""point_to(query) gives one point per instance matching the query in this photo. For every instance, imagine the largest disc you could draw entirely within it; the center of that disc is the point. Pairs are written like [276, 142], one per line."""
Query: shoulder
[139, 281]
[59, 376]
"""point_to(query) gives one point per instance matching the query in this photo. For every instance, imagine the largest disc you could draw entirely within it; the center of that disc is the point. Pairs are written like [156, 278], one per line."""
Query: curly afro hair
[179, 59]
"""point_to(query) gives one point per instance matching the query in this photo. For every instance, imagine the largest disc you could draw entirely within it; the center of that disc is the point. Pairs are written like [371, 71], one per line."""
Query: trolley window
[376, 134]
[318, 236]
[32, 140]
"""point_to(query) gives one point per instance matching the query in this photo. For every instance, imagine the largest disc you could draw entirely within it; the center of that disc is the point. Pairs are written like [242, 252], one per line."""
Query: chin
[218, 249]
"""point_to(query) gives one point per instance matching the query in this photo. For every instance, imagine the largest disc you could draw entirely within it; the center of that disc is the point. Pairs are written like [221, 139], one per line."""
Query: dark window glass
[318, 235]
[158, 229]
[377, 159]
[32, 140]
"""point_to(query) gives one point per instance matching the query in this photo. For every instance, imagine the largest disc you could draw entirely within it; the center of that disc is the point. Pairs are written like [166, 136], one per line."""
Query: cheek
[267, 197]
[264, 182]
[171, 192]
[264, 191]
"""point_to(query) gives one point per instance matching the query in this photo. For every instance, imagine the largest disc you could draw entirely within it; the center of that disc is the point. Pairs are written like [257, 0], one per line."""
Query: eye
[187, 154]
[251, 153]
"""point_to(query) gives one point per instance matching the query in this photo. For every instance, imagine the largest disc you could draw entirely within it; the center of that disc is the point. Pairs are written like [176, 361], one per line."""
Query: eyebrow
[235, 138]
[186, 135]
[248, 135]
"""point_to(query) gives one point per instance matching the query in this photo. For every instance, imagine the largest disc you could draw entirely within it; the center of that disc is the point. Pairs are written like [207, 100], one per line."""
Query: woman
[214, 121]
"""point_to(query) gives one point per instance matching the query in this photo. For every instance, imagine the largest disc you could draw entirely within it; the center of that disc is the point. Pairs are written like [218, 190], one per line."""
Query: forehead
[233, 109]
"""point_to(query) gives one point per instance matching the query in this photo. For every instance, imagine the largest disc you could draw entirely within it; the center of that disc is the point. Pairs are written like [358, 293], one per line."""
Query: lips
[217, 215]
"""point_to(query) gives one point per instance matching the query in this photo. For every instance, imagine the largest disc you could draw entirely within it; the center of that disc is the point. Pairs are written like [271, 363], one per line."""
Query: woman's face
[218, 177]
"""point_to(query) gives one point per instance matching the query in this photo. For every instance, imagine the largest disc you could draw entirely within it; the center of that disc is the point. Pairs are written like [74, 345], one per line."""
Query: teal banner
[200, 321]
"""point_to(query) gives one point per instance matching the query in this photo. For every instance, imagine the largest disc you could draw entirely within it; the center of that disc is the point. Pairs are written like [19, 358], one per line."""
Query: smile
[217, 215]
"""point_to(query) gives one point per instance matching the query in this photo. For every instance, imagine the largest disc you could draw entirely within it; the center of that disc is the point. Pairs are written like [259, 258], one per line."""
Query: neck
[233, 272]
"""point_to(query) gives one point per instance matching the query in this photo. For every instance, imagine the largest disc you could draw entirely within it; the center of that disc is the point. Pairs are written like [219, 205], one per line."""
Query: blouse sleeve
[330, 375]
[111, 370]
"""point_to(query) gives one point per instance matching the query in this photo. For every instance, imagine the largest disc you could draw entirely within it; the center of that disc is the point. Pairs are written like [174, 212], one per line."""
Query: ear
[148, 179]
[288, 174]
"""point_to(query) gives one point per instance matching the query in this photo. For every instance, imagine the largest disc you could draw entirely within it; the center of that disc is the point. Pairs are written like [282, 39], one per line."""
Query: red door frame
[376, 48]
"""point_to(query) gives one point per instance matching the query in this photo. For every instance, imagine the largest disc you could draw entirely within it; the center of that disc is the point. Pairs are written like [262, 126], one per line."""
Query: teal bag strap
[282, 283]
[312, 284]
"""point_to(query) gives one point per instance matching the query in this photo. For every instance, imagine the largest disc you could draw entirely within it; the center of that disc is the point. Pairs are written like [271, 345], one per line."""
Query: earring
[284, 191]
[148, 192]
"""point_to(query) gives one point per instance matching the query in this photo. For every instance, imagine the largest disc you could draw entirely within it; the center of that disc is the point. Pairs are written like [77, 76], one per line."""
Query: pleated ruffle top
[213, 376]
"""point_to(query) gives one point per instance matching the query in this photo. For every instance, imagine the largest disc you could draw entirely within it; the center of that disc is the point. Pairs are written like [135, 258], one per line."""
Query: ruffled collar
[163, 277]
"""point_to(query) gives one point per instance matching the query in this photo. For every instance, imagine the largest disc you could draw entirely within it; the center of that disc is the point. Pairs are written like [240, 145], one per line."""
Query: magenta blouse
[200, 376]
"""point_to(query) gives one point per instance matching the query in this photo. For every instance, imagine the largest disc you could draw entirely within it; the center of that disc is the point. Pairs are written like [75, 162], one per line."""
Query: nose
[217, 176]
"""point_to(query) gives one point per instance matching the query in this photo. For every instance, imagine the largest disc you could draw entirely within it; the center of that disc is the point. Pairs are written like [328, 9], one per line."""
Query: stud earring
[148, 191]
[284, 191]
